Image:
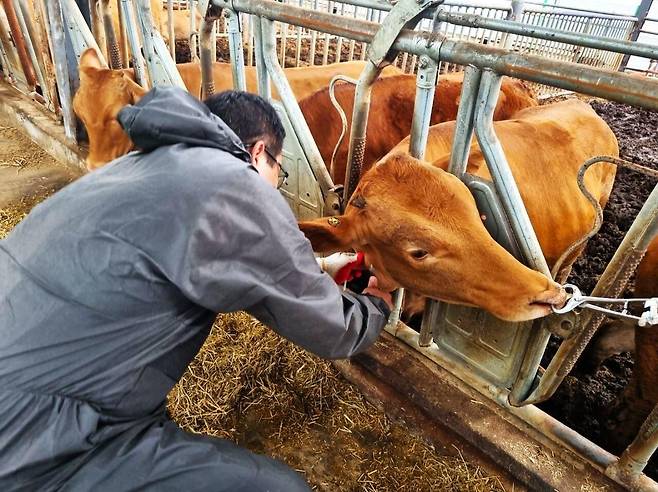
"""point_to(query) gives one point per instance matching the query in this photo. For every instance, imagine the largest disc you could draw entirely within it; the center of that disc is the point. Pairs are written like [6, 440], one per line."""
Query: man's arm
[247, 253]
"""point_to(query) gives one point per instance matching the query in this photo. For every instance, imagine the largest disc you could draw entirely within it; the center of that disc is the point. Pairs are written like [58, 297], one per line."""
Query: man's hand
[373, 290]
[342, 267]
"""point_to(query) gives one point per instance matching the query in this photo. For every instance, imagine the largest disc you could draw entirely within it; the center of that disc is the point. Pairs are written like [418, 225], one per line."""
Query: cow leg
[641, 394]
[161, 456]
[614, 337]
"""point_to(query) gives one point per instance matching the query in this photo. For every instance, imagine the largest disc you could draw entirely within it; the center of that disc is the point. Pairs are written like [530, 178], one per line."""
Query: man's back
[109, 288]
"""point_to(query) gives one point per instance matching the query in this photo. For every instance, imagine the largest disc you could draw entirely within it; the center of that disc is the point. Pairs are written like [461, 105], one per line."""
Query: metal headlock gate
[499, 359]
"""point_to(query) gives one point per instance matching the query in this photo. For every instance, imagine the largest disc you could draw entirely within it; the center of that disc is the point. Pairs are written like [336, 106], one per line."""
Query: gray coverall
[109, 288]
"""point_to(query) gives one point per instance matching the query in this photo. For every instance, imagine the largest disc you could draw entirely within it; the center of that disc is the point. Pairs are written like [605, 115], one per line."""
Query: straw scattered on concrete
[249, 385]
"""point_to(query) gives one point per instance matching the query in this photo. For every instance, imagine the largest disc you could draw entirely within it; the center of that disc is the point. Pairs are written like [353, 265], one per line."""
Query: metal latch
[577, 300]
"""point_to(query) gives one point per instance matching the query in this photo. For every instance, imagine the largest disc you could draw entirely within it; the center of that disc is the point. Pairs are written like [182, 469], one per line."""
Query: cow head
[420, 229]
[102, 93]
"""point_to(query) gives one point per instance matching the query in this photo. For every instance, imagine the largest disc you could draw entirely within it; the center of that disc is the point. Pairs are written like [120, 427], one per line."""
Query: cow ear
[136, 91]
[90, 59]
[329, 234]
[500, 113]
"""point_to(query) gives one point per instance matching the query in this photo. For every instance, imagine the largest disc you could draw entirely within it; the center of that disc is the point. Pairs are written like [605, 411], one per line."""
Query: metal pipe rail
[615, 86]
[529, 7]
[547, 33]
[551, 34]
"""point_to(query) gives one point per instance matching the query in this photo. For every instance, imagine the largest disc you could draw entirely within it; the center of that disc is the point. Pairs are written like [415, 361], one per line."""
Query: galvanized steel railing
[299, 46]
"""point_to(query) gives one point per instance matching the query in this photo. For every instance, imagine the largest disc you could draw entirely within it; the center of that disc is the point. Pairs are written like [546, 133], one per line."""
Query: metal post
[161, 67]
[110, 36]
[628, 468]
[235, 48]
[170, 28]
[19, 42]
[295, 113]
[97, 26]
[261, 69]
[44, 49]
[5, 67]
[205, 50]
[133, 42]
[360, 113]
[426, 81]
[461, 142]
[193, 31]
[502, 176]
[515, 14]
[56, 26]
[641, 13]
[30, 48]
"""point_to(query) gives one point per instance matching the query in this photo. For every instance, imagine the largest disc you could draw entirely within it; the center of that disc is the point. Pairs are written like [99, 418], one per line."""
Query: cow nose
[555, 295]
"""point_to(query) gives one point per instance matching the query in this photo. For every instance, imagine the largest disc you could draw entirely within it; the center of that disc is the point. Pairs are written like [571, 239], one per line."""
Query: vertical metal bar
[298, 45]
[461, 142]
[641, 13]
[194, 34]
[56, 27]
[426, 81]
[261, 70]
[19, 42]
[360, 112]
[30, 48]
[503, 179]
[213, 39]
[249, 34]
[5, 67]
[123, 39]
[235, 48]
[97, 26]
[205, 49]
[161, 67]
[291, 107]
[352, 42]
[284, 42]
[170, 28]
[114, 54]
[634, 459]
[339, 41]
[46, 51]
[133, 42]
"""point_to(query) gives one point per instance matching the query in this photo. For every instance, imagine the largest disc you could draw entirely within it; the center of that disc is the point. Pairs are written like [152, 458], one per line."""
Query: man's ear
[330, 234]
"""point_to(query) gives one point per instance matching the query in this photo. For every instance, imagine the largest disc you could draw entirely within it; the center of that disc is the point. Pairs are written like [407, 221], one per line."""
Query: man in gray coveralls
[109, 288]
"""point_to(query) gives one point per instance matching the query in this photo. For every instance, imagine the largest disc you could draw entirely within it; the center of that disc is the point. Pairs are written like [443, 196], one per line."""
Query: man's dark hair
[250, 116]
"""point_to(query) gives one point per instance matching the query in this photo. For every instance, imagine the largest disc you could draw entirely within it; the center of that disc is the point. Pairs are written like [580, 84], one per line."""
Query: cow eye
[418, 254]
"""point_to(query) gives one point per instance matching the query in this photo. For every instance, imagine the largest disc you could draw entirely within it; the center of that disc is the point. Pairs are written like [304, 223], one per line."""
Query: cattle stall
[458, 346]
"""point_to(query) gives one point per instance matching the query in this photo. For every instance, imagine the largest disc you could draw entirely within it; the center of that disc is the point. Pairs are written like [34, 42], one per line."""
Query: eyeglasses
[283, 175]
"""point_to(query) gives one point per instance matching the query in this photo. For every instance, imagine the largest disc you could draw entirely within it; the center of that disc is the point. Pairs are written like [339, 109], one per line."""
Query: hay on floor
[249, 385]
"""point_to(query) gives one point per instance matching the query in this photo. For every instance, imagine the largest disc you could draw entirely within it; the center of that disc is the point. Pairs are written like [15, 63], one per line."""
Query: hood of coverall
[170, 115]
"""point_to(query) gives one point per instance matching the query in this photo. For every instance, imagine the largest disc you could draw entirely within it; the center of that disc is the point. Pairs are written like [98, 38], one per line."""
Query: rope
[598, 221]
[340, 111]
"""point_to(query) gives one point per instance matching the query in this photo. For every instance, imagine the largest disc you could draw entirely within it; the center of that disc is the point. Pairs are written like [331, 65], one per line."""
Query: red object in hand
[351, 270]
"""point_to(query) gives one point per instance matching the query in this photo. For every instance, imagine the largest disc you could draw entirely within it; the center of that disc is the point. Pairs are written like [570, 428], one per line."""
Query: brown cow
[103, 92]
[391, 112]
[420, 229]
[553, 232]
